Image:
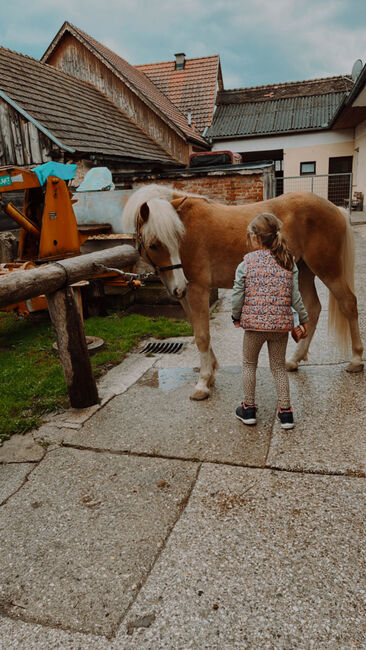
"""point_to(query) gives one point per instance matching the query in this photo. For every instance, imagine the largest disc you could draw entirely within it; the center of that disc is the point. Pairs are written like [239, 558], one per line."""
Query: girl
[264, 293]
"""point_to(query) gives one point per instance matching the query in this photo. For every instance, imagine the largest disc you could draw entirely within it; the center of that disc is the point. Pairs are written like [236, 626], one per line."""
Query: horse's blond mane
[163, 223]
[143, 195]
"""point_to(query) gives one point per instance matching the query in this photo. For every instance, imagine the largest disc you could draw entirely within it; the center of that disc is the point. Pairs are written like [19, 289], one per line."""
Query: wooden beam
[22, 285]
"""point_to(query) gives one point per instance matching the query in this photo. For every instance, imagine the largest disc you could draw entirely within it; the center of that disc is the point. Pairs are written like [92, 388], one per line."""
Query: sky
[259, 41]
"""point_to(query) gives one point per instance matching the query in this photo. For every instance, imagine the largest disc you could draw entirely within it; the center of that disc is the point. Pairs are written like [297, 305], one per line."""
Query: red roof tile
[191, 89]
[134, 78]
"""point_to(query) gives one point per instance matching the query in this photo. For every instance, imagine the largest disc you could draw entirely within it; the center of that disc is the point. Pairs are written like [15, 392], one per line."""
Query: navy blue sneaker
[286, 418]
[246, 414]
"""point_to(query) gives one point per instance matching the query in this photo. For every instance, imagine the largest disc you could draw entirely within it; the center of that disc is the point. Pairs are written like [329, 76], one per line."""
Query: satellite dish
[356, 69]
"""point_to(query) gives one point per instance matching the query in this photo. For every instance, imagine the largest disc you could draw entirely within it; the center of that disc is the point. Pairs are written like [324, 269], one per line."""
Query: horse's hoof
[355, 367]
[200, 395]
[291, 366]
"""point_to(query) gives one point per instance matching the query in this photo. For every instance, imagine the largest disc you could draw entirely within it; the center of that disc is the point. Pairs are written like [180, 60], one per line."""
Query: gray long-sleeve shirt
[238, 294]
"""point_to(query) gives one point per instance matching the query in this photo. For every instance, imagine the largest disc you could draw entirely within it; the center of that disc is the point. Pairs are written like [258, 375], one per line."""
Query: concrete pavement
[155, 522]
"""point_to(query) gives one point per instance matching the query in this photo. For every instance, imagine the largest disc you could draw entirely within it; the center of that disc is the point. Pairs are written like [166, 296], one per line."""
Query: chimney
[180, 60]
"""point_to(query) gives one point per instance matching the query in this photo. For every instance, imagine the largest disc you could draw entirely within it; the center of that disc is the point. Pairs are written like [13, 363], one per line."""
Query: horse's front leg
[198, 313]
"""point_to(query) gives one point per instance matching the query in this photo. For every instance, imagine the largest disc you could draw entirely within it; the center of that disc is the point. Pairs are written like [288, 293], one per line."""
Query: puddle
[170, 378]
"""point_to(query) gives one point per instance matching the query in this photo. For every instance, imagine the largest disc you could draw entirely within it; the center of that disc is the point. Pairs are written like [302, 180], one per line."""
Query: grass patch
[31, 377]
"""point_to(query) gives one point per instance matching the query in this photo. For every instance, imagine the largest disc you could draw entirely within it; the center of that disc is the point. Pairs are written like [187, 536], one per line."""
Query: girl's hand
[306, 328]
[237, 324]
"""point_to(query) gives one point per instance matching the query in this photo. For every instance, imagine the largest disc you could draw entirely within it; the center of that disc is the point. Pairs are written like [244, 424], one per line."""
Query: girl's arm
[297, 302]
[237, 298]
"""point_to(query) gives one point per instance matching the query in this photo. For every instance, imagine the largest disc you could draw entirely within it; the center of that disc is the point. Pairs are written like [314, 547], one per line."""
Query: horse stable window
[307, 168]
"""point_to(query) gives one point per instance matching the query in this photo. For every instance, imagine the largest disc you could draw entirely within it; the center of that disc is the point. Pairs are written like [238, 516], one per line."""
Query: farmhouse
[288, 123]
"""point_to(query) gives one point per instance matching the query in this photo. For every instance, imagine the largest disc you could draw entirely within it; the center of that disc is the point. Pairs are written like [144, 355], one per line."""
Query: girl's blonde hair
[267, 228]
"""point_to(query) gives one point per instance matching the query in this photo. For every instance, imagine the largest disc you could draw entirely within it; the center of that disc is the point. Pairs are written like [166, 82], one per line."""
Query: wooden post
[72, 347]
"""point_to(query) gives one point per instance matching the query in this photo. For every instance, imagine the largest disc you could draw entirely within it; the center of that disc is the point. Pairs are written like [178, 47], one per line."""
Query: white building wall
[317, 146]
[360, 160]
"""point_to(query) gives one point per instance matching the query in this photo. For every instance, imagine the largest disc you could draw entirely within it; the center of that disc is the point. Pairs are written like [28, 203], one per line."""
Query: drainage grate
[164, 347]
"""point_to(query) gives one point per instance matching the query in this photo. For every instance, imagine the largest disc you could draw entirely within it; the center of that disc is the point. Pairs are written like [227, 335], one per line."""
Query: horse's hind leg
[198, 299]
[313, 307]
[345, 321]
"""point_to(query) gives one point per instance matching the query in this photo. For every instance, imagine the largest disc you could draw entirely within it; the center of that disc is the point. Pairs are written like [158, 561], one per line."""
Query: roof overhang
[37, 124]
[352, 110]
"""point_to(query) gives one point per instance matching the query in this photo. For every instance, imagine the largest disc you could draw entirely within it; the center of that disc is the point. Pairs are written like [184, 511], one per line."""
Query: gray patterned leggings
[277, 343]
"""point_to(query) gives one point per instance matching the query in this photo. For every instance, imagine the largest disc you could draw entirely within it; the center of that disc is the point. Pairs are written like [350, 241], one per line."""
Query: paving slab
[156, 417]
[258, 560]
[330, 432]
[16, 635]
[82, 534]
[21, 449]
[12, 477]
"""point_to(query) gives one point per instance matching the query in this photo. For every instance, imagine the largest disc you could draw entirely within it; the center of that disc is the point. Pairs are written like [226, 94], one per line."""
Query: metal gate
[334, 187]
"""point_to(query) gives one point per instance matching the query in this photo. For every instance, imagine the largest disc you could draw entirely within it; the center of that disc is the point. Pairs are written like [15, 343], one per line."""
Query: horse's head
[159, 232]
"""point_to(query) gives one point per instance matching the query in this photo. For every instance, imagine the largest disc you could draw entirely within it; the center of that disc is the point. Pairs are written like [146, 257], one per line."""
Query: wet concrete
[156, 522]
[12, 478]
[259, 560]
[83, 533]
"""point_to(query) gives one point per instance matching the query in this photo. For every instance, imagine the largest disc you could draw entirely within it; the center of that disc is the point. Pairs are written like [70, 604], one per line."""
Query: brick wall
[231, 188]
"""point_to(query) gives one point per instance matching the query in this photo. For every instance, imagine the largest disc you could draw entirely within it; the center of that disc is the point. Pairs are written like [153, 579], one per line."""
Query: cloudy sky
[259, 41]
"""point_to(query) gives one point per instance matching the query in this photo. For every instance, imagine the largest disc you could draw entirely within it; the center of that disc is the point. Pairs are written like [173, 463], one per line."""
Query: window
[307, 168]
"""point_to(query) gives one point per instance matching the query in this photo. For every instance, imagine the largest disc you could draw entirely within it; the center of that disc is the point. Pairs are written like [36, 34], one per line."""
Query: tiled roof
[75, 111]
[134, 78]
[191, 89]
[279, 108]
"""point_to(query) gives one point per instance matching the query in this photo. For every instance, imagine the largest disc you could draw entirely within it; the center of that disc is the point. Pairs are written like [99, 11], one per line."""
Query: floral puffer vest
[268, 294]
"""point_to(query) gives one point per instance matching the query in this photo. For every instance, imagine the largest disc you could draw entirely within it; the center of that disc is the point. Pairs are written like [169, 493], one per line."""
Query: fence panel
[335, 187]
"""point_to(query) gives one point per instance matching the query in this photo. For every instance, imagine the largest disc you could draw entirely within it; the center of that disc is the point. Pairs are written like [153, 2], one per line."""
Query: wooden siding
[74, 58]
[21, 143]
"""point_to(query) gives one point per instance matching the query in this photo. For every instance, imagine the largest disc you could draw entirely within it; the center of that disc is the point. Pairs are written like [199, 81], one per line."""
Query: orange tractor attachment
[48, 227]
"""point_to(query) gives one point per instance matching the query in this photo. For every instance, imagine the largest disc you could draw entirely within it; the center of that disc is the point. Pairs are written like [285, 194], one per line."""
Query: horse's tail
[337, 322]
[136, 200]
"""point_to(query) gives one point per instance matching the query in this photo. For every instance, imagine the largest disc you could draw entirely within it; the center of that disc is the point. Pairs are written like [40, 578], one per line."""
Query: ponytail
[281, 252]
[267, 228]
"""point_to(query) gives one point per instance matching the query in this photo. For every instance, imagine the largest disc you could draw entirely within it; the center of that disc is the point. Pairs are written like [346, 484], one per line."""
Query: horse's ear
[176, 203]
[144, 212]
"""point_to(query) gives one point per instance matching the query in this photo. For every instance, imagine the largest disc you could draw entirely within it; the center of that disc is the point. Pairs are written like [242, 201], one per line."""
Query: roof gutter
[37, 124]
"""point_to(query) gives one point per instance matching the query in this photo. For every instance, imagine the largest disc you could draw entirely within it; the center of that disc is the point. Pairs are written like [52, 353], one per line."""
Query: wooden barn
[46, 114]
[81, 56]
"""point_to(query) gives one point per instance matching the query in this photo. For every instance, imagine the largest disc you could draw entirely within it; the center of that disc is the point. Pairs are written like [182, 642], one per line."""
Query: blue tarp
[96, 179]
[65, 172]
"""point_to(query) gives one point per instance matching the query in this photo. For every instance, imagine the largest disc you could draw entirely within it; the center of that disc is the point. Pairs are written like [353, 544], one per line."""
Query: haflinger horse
[195, 244]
